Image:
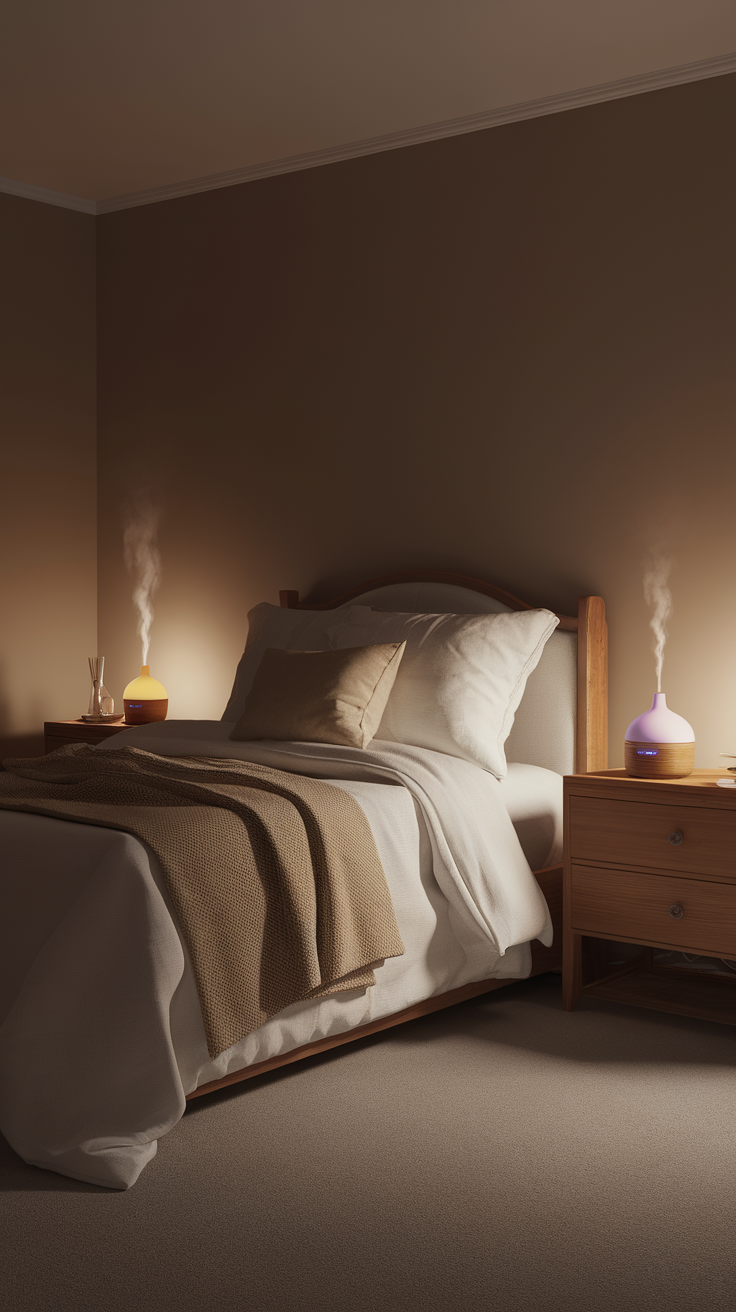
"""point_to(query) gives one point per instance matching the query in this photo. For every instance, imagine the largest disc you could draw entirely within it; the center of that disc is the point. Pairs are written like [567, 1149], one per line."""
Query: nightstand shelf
[684, 993]
[650, 864]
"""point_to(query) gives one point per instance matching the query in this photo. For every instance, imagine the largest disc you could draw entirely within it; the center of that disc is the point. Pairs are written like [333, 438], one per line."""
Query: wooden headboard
[591, 735]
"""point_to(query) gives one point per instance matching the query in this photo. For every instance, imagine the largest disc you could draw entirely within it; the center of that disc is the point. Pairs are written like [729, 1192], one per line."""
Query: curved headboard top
[562, 721]
[425, 590]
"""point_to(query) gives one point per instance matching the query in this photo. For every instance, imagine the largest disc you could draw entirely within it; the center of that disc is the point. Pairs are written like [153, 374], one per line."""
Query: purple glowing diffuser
[659, 744]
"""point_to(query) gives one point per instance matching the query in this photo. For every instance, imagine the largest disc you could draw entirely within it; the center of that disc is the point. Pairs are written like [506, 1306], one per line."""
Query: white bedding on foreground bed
[103, 1036]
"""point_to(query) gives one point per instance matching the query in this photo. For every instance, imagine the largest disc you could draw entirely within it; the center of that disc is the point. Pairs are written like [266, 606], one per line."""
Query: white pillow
[461, 677]
[280, 627]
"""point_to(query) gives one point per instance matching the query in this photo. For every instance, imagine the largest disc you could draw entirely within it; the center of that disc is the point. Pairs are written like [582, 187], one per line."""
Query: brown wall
[48, 576]
[510, 353]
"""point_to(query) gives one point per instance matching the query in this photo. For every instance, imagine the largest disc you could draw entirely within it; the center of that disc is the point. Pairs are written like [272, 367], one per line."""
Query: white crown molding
[60, 198]
[628, 86]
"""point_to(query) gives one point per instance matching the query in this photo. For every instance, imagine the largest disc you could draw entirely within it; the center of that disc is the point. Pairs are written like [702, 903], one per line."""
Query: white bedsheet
[103, 1035]
[533, 798]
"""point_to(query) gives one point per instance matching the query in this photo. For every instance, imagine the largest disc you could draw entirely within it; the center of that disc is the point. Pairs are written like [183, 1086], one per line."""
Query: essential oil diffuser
[659, 744]
[145, 699]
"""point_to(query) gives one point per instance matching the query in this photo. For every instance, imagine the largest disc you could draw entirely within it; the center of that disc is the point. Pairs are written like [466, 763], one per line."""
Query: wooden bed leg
[572, 970]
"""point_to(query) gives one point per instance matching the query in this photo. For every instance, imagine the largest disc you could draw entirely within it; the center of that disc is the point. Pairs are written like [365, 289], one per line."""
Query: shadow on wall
[21, 744]
[16, 744]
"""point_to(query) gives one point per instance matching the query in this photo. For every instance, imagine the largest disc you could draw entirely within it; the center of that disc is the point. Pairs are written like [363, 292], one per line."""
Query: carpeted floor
[499, 1155]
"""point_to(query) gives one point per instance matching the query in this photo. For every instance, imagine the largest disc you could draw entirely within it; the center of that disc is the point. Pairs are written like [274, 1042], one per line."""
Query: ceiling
[105, 105]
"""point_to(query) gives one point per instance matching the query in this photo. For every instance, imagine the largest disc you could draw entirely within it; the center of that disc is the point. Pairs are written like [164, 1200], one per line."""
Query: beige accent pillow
[278, 626]
[320, 696]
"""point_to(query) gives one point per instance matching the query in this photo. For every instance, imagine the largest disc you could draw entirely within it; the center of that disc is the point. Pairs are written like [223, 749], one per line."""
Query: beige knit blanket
[275, 878]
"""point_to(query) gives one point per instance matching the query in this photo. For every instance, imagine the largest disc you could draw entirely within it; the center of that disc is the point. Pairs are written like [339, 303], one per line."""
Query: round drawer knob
[676, 838]
[676, 911]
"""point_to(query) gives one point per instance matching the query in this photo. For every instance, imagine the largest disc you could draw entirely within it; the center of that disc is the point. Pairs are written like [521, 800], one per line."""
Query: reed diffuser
[101, 705]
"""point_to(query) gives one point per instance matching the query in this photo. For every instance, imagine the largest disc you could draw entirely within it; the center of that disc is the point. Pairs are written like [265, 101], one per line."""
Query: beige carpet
[499, 1155]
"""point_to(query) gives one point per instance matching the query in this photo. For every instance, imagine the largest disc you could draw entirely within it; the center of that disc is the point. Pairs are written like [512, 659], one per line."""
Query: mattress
[102, 1036]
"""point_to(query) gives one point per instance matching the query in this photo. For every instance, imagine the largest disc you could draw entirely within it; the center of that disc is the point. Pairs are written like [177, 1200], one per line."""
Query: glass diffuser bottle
[101, 704]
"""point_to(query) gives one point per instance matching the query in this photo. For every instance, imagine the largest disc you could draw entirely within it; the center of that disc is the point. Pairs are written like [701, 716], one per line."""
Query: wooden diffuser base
[145, 711]
[659, 760]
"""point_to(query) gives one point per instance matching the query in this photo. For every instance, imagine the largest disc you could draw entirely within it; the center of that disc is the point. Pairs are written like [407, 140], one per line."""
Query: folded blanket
[275, 878]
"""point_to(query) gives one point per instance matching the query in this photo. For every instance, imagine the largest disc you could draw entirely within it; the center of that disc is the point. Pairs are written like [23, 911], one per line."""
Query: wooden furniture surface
[591, 751]
[290, 599]
[592, 725]
[684, 914]
[651, 835]
[665, 761]
[650, 863]
[57, 733]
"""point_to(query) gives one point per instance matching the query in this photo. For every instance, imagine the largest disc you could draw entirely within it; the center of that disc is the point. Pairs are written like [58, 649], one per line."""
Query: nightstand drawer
[623, 904]
[638, 834]
[59, 733]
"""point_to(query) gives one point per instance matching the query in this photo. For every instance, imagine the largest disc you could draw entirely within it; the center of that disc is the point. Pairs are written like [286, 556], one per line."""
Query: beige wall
[510, 353]
[47, 468]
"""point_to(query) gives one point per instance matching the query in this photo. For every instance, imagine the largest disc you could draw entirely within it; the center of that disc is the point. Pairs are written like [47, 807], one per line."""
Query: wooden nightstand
[650, 863]
[57, 733]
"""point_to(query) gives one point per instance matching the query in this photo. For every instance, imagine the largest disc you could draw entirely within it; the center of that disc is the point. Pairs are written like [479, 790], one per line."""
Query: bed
[102, 1042]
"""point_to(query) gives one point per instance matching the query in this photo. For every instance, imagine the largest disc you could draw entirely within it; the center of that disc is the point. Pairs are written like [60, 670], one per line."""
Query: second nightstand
[57, 733]
[650, 863]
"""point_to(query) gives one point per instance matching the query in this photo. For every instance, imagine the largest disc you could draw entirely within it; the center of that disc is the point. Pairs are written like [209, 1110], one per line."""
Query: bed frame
[591, 751]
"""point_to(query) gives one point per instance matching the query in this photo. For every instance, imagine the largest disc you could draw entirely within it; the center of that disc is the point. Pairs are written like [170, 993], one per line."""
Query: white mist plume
[659, 597]
[143, 561]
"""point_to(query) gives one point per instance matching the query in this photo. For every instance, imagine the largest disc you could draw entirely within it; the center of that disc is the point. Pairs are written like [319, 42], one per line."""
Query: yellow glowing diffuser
[145, 699]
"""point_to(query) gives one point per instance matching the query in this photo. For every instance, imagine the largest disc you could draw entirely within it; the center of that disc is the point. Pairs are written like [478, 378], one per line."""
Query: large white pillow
[280, 627]
[461, 677]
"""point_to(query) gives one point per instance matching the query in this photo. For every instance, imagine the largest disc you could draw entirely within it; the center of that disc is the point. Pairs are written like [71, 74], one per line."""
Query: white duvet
[102, 1035]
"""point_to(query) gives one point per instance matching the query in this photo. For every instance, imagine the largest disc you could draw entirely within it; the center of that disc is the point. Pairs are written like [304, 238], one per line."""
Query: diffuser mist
[145, 699]
[659, 744]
